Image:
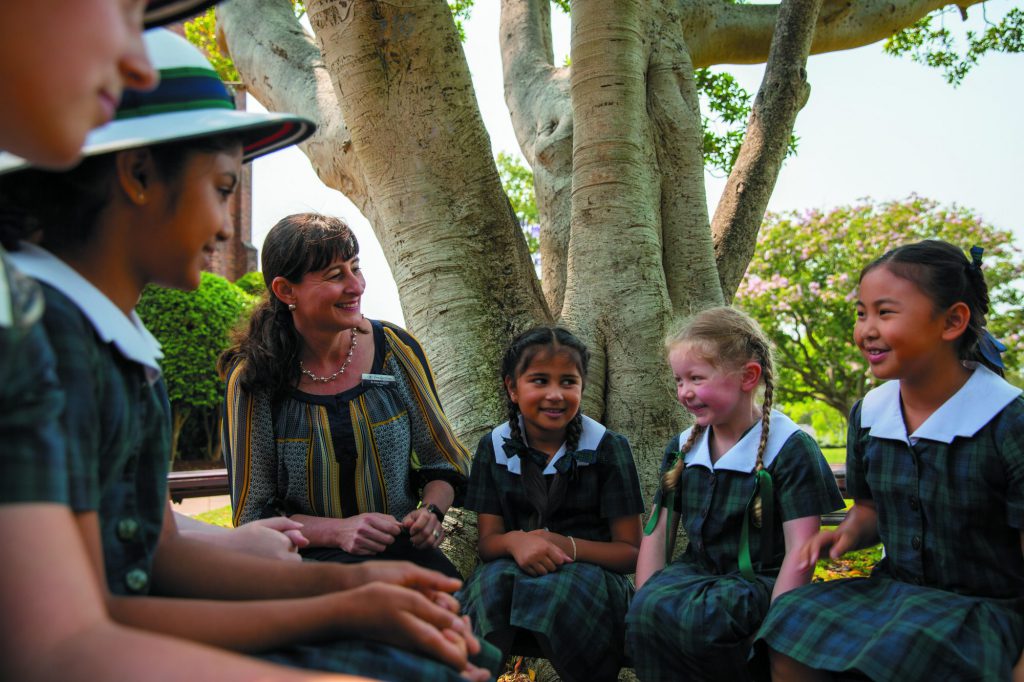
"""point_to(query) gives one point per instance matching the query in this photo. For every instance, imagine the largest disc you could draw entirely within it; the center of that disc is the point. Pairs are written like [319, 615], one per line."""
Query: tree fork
[783, 93]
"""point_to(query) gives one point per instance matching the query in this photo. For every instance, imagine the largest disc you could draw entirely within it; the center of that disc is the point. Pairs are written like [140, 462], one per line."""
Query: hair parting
[521, 352]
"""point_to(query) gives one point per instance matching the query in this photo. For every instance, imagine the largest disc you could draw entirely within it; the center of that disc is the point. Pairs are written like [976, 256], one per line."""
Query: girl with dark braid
[559, 508]
[935, 465]
[749, 487]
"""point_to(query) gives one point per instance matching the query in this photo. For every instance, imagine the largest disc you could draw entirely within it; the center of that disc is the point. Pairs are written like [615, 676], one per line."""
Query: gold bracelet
[573, 547]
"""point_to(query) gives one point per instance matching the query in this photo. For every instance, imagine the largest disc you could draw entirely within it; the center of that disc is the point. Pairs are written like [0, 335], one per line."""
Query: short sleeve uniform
[118, 425]
[695, 617]
[580, 607]
[33, 467]
[948, 599]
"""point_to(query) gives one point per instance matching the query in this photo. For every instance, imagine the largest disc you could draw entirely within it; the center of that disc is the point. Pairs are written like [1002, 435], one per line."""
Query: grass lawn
[218, 517]
[834, 455]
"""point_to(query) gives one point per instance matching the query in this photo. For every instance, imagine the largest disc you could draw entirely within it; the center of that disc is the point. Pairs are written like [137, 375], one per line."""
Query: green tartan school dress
[693, 620]
[947, 601]
[32, 457]
[117, 425]
[579, 608]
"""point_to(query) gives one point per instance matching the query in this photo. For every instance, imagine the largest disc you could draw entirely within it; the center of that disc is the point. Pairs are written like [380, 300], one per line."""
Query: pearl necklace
[332, 377]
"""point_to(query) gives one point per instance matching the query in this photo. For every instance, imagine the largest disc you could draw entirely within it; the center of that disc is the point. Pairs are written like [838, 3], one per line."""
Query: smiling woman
[334, 419]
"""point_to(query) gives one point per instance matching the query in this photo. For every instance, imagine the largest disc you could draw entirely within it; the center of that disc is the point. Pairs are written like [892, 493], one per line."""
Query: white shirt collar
[593, 432]
[979, 400]
[127, 333]
[742, 456]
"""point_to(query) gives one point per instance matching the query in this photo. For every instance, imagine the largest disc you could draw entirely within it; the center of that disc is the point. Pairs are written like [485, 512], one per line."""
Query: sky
[874, 126]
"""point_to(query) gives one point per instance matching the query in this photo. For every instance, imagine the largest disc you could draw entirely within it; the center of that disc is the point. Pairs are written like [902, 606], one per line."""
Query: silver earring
[291, 306]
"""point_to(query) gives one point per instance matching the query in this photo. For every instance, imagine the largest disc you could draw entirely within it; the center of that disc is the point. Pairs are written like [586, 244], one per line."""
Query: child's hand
[536, 555]
[402, 573]
[410, 620]
[837, 542]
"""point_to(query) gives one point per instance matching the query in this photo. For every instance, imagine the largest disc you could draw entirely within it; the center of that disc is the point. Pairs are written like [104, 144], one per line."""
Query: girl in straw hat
[61, 64]
[149, 205]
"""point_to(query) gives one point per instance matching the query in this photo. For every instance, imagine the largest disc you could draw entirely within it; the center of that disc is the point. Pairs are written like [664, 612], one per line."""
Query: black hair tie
[976, 252]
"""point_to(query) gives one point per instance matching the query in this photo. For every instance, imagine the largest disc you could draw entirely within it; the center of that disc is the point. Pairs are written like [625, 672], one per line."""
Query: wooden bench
[201, 483]
[210, 482]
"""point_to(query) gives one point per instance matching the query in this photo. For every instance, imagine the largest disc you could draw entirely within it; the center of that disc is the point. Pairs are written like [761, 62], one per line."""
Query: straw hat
[190, 102]
[160, 12]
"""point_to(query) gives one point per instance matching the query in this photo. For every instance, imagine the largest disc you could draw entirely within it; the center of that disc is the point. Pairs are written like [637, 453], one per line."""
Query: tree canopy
[801, 286]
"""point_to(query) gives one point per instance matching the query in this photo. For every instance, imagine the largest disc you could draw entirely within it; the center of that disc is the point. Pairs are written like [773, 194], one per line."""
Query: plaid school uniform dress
[33, 467]
[580, 607]
[693, 619]
[947, 601]
[117, 426]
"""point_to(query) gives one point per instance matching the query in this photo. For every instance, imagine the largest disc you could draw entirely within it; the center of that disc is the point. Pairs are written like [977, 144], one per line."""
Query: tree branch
[784, 91]
[537, 95]
[691, 272]
[282, 67]
[727, 33]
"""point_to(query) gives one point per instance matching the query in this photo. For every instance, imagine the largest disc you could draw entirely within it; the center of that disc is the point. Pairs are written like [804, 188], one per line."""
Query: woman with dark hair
[333, 419]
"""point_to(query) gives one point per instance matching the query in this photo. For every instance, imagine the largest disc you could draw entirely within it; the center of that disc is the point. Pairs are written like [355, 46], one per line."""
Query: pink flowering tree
[801, 287]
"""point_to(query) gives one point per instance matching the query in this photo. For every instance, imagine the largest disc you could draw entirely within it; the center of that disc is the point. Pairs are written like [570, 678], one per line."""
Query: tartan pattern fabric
[580, 609]
[33, 467]
[367, 658]
[687, 624]
[938, 503]
[402, 440]
[891, 630]
[694, 619]
[951, 588]
[605, 490]
[711, 504]
[117, 427]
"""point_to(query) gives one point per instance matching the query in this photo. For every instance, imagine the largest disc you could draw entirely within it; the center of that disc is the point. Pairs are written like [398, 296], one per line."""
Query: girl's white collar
[742, 456]
[593, 432]
[979, 400]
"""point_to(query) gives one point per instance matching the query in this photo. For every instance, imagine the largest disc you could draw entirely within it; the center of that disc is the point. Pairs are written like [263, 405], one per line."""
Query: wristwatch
[436, 511]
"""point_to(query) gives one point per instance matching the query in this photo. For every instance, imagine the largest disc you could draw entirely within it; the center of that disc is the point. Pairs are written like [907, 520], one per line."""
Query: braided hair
[522, 351]
[727, 339]
[945, 275]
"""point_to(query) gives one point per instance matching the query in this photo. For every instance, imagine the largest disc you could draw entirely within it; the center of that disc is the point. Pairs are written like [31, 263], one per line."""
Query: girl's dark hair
[945, 275]
[296, 245]
[726, 338]
[521, 352]
[61, 209]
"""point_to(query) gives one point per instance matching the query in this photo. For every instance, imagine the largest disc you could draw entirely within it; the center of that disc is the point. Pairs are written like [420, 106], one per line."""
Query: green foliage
[460, 12]
[252, 283]
[517, 179]
[801, 287]
[728, 108]
[828, 425]
[955, 53]
[193, 328]
[201, 32]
